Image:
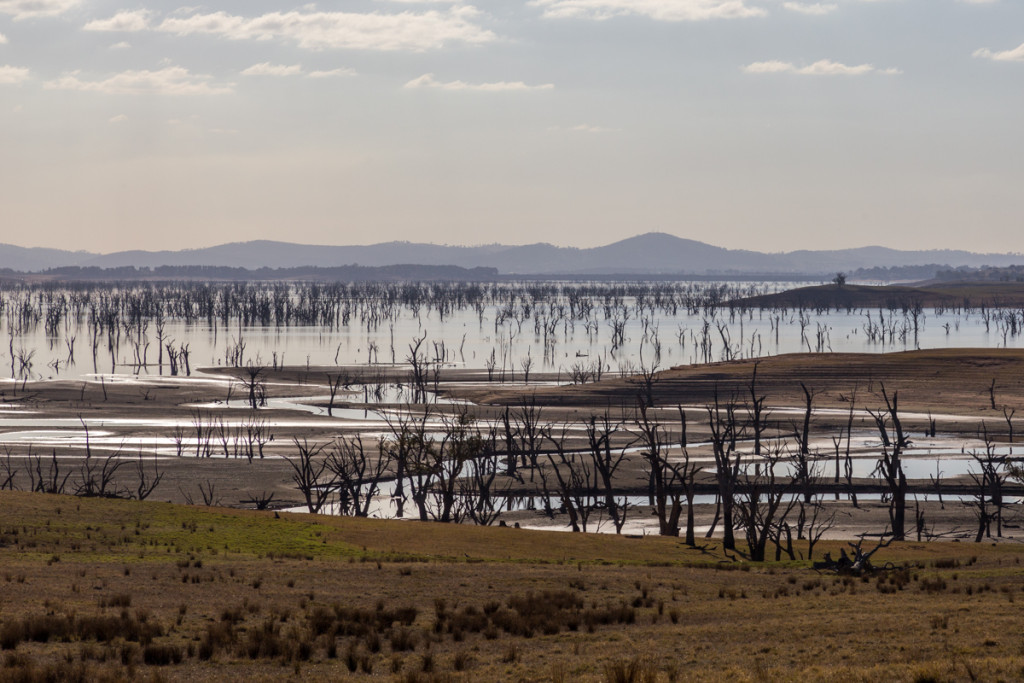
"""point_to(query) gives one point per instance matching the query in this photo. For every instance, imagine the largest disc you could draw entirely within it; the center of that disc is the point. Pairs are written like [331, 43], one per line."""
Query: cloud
[343, 71]
[587, 128]
[173, 80]
[428, 81]
[1014, 55]
[816, 9]
[26, 9]
[120, 118]
[137, 20]
[123, 45]
[330, 30]
[660, 10]
[13, 75]
[268, 69]
[3, 39]
[824, 67]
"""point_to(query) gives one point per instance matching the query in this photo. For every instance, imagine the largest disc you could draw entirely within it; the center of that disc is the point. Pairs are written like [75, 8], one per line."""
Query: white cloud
[123, 45]
[173, 80]
[120, 118]
[661, 10]
[13, 75]
[587, 128]
[343, 71]
[3, 39]
[323, 30]
[814, 9]
[268, 69]
[137, 20]
[824, 67]
[26, 9]
[1014, 55]
[428, 81]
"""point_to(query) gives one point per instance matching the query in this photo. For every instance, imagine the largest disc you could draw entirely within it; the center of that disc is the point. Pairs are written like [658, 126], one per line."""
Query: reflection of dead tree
[310, 474]
[890, 465]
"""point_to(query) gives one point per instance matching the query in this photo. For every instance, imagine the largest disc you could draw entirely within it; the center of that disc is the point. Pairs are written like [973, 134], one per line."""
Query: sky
[761, 124]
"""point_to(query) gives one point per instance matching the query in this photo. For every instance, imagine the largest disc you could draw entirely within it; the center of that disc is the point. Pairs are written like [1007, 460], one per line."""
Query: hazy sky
[764, 124]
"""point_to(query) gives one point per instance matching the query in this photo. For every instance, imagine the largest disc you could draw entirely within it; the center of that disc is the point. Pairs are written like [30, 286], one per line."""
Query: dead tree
[357, 474]
[574, 474]
[334, 383]
[666, 494]
[315, 481]
[479, 488]
[763, 503]
[530, 430]
[460, 444]
[8, 471]
[51, 481]
[97, 481]
[988, 500]
[145, 483]
[255, 384]
[890, 465]
[725, 430]
[757, 412]
[820, 522]
[599, 434]
[419, 373]
[860, 563]
[646, 380]
[404, 449]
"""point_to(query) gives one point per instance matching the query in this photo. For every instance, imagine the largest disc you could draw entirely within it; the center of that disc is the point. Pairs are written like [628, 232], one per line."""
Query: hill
[650, 253]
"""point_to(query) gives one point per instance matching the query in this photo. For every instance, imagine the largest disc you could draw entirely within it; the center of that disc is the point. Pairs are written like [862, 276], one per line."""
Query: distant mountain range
[651, 253]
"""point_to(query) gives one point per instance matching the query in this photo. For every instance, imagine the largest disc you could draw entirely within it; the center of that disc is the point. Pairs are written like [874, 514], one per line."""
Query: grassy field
[95, 589]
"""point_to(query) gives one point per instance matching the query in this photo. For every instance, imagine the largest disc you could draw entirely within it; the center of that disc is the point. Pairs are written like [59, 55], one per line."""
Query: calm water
[567, 333]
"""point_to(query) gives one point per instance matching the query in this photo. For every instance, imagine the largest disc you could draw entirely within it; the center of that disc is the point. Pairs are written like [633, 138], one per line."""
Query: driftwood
[859, 563]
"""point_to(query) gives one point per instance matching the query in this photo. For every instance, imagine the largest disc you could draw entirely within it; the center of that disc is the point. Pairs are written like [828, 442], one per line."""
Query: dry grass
[153, 591]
